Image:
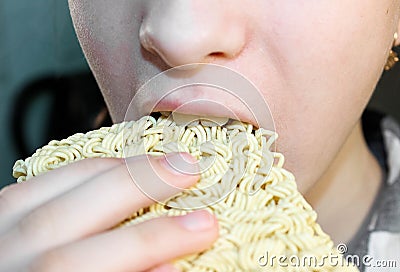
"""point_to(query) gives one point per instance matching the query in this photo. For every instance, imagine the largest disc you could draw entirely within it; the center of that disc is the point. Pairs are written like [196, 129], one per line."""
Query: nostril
[216, 55]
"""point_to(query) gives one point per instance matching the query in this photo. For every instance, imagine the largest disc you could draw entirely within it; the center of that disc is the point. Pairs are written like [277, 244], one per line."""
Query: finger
[98, 204]
[164, 268]
[19, 198]
[135, 248]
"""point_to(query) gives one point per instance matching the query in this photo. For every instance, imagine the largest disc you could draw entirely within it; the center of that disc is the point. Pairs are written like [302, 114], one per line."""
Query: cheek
[109, 36]
[328, 61]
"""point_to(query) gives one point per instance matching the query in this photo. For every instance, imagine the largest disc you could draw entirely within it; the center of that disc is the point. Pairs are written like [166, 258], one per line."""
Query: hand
[62, 220]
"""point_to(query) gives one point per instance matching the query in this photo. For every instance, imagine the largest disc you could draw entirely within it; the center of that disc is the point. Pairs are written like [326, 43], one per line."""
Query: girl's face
[316, 62]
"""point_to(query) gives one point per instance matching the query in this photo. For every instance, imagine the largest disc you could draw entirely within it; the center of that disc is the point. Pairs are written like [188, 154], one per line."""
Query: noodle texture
[265, 223]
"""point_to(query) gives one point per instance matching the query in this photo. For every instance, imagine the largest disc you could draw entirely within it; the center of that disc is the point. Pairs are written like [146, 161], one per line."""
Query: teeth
[193, 120]
[165, 113]
[184, 119]
[214, 121]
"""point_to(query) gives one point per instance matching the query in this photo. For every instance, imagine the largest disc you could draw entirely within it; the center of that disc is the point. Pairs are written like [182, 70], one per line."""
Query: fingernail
[180, 164]
[197, 221]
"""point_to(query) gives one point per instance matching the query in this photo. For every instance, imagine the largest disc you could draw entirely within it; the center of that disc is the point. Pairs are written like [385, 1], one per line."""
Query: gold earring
[393, 56]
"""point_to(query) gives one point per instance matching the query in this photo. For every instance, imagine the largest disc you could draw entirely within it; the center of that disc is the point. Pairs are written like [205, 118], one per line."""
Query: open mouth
[190, 120]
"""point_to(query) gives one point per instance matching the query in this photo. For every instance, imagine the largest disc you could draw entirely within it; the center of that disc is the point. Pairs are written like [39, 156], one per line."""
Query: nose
[182, 32]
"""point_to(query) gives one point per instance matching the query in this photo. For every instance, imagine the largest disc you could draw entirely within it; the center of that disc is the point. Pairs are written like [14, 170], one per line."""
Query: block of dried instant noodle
[259, 209]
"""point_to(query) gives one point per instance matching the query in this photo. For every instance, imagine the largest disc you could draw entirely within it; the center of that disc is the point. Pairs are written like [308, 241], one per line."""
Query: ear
[397, 39]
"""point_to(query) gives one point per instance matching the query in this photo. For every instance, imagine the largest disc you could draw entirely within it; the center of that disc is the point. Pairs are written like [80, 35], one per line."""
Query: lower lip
[200, 107]
[203, 108]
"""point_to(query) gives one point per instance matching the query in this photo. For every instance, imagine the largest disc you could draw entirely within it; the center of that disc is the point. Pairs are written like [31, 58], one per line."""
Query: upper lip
[201, 101]
[204, 90]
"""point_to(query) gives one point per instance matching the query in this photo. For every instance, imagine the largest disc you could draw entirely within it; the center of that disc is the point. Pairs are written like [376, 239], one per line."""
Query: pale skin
[315, 62]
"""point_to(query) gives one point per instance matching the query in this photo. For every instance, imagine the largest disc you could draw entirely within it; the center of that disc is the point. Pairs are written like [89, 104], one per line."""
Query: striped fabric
[377, 243]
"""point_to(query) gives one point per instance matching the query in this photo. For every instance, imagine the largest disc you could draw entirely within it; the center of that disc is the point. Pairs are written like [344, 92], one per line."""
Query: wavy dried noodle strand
[258, 206]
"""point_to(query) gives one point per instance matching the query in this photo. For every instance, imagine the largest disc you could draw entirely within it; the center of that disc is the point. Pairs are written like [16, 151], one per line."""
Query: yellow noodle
[256, 201]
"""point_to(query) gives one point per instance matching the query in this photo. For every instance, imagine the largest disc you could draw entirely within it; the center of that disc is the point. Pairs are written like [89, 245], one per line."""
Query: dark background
[47, 91]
